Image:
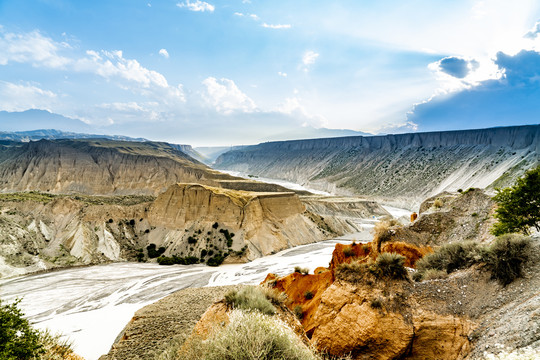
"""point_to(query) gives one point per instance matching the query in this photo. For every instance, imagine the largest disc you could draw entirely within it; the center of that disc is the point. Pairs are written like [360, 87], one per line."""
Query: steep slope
[39, 231]
[402, 168]
[98, 166]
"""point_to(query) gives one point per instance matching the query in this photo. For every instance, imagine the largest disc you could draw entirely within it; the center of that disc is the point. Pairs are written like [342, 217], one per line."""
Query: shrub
[215, 260]
[249, 336]
[192, 240]
[438, 203]
[433, 274]
[303, 271]
[153, 253]
[390, 265]
[348, 252]
[215, 226]
[308, 295]
[383, 232]
[18, 340]
[506, 256]
[451, 257]
[250, 298]
[298, 312]
[376, 303]
[175, 259]
[353, 272]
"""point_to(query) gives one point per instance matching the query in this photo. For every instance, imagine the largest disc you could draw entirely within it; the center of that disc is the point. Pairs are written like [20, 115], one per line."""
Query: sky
[238, 72]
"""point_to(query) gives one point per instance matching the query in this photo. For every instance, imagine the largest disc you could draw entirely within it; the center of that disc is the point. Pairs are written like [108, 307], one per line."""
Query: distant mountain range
[404, 168]
[40, 119]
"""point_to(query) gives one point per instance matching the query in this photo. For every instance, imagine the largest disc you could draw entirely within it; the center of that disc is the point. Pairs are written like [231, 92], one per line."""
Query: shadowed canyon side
[408, 167]
[98, 167]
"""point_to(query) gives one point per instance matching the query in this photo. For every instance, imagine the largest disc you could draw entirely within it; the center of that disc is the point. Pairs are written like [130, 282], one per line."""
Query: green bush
[451, 257]
[250, 298]
[506, 257]
[177, 260]
[518, 207]
[153, 253]
[390, 265]
[249, 336]
[303, 271]
[18, 340]
[348, 252]
[215, 260]
[308, 295]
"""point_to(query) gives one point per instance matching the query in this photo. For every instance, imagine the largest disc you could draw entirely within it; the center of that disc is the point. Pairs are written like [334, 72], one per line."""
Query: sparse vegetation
[299, 312]
[438, 203]
[153, 253]
[308, 295]
[376, 303]
[215, 260]
[250, 298]
[390, 265]
[348, 252]
[301, 270]
[383, 232]
[504, 259]
[175, 259]
[249, 336]
[519, 205]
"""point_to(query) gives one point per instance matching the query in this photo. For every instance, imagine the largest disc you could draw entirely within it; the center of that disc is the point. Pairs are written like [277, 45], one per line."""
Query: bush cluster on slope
[249, 336]
[504, 259]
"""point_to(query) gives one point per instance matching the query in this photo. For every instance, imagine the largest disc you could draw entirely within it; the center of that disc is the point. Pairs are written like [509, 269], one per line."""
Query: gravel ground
[153, 327]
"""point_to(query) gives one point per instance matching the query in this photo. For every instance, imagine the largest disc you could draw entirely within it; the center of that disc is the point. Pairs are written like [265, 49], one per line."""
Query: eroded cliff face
[264, 222]
[40, 231]
[98, 167]
[404, 168]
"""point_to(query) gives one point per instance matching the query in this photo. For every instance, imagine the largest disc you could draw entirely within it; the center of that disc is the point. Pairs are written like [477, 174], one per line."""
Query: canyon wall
[405, 168]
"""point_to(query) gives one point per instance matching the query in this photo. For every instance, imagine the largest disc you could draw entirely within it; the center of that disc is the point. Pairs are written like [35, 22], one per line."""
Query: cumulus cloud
[456, 66]
[276, 26]
[197, 5]
[533, 33]
[32, 48]
[226, 97]
[111, 64]
[292, 106]
[511, 99]
[164, 53]
[20, 97]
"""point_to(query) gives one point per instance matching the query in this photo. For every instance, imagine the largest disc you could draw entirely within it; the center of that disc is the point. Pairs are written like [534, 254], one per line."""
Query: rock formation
[403, 168]
[98, 167]
[41, 231]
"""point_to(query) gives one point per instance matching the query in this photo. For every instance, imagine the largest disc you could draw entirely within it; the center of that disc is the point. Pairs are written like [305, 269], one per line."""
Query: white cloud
[164, 53]
[238, 14]
[20, 97]
[31, 48]
[276, 26]
[282, 74]
[197, 5]
[293, 107]
[226, 97]
[308, 59]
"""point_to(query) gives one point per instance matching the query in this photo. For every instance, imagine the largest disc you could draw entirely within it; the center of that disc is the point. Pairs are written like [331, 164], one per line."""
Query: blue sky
[237, 72]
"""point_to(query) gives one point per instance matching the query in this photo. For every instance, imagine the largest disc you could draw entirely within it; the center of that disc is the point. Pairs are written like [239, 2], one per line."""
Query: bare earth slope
[98, 166]
[408, 167]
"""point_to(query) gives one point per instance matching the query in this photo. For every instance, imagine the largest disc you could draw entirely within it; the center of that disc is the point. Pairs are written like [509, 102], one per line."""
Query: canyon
[402, 169]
